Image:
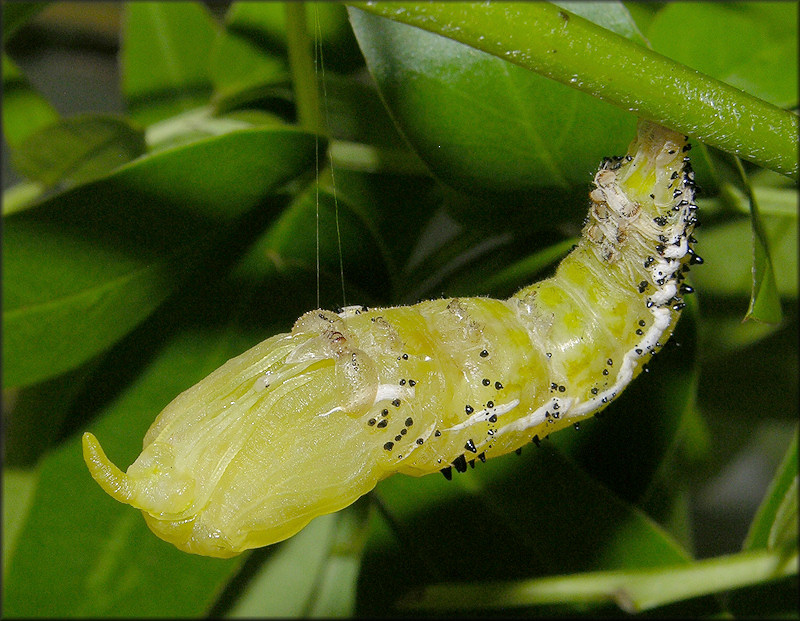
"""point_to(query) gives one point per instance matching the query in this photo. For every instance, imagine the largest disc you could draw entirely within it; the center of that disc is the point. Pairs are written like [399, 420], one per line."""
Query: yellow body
[305, 423]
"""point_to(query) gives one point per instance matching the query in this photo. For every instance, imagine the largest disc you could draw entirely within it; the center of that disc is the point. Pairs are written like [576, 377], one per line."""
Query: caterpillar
[306, 422]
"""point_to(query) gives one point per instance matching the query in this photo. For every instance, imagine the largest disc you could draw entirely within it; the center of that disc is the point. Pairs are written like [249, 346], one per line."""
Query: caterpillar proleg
[305, 423]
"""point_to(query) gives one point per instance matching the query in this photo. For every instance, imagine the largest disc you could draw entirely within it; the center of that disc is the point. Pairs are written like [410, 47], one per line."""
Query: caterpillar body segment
[305, 423]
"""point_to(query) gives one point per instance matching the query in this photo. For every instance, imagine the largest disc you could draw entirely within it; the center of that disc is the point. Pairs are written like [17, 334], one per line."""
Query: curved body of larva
[305, 423]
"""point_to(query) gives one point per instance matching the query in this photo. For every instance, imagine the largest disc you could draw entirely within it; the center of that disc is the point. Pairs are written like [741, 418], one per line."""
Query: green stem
[632, 591]
[569, 49]
[301, 66]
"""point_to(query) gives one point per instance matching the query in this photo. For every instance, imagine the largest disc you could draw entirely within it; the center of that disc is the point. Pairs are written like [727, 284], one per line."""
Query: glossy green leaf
[24, 110]
[78, 149]
[764, 297]
[481, 122]
[335, 594]
[123, 241]
[164, 58]
[775, 524]
[202, 123]
[628, 75]
[773, 200]
[750, 45]
[354, 112]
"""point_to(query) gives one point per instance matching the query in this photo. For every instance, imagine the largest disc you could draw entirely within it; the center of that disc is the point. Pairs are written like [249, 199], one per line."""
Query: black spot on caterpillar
[306, 422]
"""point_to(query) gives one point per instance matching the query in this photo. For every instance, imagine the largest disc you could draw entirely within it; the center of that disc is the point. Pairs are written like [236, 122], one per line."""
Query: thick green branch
[569, 49]
[632, 591]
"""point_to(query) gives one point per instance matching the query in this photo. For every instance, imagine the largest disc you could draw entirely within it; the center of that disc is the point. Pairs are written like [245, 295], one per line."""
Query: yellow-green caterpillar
[305, 423]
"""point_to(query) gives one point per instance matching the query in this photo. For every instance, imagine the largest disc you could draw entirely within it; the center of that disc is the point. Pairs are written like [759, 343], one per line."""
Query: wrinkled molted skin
[305, 423]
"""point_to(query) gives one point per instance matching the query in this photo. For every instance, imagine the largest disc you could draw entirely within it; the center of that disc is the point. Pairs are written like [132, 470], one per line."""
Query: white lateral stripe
[482, 415]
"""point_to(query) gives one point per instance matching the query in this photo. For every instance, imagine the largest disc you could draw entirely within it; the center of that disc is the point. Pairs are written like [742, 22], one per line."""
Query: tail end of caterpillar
[157, 497]
[114, 482]
[157, 488]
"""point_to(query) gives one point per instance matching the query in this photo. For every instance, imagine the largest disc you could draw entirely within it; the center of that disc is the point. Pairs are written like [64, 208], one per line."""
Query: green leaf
[313, 574]
[354, 112]
[25, 111]
[201, 123]
[512, 517]
[625, 74]
[39, 417]
[335, 595]
[749, 45]
[111, 563]
[397, 206]
[481, 122]
[78, 149]
[21, 196]
[765, 303]
[241, 72]
[164, 57]
[726, 249]
[775, 524]
[265, 24]
[19, 486]
[508, 279]
[81, 553]
[16, 15]
[318, 221]
[124, 241]
[772, 200]
[285, 581]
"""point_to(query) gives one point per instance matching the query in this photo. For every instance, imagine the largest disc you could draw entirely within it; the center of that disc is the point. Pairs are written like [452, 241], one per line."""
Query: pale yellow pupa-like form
[305, 423]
